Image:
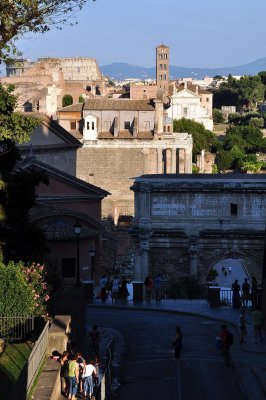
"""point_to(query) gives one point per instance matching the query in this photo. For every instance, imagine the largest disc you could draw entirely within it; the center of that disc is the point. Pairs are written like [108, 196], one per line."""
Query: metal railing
[37, 356]
[104, 388]
[178, 291]
[16, 327]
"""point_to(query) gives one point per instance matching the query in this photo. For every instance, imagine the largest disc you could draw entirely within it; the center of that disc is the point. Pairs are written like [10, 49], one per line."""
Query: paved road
[237, 272]
[150, 371]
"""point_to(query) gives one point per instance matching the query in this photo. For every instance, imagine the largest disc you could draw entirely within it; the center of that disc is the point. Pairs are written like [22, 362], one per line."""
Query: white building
[191, 102]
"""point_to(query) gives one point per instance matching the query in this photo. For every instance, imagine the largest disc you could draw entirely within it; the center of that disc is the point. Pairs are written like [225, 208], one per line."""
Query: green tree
[202, 138]
[81, 99]
[16, 187]
[256, 122]
[251, 91]
[67, 100]
[218, 116]
[224, 160]
[18, 17]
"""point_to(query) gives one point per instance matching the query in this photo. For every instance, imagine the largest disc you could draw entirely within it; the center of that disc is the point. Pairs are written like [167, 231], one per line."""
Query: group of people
[79, 373]
[153, 286]
[117, 288]
[249, 293]
[224, 271]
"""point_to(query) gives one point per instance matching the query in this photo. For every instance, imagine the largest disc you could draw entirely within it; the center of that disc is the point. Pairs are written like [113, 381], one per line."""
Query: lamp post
[77, 230]
[92, 254]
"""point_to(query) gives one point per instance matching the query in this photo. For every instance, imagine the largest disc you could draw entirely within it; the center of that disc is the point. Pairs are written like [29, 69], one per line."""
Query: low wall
[49, 385]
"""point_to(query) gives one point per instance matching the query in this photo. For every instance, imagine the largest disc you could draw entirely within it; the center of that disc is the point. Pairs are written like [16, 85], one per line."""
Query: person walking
[245, 293]
[148, 287]
[103, 287]
[158, 287]
[64, 373]
[236, 295]
[178, 342]
[94, 342]
[124, 293]
[242, 325]
[115, 289]
[73, 376]
[225, 344]
[257, 319]
[229, 269]
[89, 371]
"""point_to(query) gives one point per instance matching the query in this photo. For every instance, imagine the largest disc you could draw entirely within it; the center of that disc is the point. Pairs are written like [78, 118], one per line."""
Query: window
[68, 267]
[161, 66]
[127, 125]
[207, 99]
[185, 111]
[72, 125]
[165, 66]
[92, 125]
[234, 209]
[88, 125]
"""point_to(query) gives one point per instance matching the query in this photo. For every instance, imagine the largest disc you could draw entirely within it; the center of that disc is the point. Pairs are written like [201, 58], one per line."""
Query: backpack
[230, 338]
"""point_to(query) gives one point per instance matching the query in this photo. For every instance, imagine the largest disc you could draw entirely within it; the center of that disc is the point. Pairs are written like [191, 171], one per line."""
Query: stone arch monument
[185, 224]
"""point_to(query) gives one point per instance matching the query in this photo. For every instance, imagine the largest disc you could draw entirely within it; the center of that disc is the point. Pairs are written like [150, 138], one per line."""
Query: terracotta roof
[73, 107]
[162, 45]
[125, 135]
[192, 88]
[116, 104]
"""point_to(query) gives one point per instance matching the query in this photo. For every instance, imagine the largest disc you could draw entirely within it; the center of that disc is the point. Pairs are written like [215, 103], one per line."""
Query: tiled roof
[57, 222]
[125, 135]
[116, 104]
[192, 88]
[162, 45]
[73, 107]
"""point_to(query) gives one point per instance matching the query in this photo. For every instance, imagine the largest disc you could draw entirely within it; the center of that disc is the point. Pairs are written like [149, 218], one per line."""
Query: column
[193, 253]
[168, 161]
[159, 160]
[188, 161]
[173, 161]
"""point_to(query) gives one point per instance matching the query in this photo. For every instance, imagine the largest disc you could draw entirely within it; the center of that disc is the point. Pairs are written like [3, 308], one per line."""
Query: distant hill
[120, 71]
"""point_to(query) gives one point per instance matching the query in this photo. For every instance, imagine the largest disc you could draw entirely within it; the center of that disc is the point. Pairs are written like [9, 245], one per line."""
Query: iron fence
[180, 291]
[16, 327]
[37, 356]
[104, 389]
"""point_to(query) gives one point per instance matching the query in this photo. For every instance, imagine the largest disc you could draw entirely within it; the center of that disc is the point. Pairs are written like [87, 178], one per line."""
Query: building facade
[185, 224]
[191, 102]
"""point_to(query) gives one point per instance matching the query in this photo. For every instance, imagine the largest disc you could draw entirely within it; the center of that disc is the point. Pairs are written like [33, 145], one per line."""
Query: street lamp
[92, 254]
[77, 230]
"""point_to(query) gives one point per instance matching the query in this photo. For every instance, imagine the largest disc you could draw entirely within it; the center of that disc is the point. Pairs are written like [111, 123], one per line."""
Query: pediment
[185, 93]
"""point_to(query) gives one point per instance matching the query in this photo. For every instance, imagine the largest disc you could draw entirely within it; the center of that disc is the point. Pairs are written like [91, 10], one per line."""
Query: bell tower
[162, 67]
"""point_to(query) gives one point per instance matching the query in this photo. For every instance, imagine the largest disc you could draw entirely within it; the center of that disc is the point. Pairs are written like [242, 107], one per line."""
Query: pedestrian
[158, 287]
[236, 295]
[89, 371]
[64, 373]
[80, 361]
[223, 270]
[225, 273]
[242, 325]
[124, 293]
[245, 293]
[226, 342]
[103, 287]
[94, 342]
[257, 319]
[73, 376]
[254, 292]
[148, 287]
[115, 289]
[229, 269]
[178, 342]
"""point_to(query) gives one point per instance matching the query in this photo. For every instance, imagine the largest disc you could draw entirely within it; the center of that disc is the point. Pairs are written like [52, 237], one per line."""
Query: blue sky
[200, 33]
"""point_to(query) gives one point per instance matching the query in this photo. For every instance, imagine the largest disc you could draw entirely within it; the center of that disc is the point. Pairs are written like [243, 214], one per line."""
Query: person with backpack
[227, 340]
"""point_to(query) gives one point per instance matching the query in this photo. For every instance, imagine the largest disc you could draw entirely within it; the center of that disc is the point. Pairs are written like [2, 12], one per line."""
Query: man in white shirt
[88, 372]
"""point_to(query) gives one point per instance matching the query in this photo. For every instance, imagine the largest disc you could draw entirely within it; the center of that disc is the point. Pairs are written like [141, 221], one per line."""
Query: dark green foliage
[212, 275]
[67, 100]
[224, 160]
[202, 138]
[81, 99]
[218, 117]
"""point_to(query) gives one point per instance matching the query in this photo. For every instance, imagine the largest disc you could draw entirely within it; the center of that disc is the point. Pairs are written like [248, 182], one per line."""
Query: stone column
[141, 264]
[159, 160]
[188, 161]
[173, 161]
[193, 253]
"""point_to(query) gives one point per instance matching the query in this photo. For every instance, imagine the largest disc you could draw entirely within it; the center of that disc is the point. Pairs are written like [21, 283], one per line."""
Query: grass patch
[12, 362]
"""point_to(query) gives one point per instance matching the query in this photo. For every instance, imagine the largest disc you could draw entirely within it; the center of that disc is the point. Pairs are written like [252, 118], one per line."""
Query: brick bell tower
[162, 68]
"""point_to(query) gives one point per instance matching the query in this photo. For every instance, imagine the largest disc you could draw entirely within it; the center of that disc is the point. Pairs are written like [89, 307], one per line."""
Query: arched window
[27, 106]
